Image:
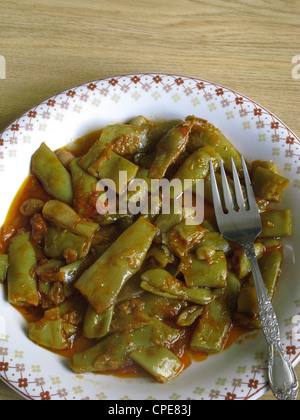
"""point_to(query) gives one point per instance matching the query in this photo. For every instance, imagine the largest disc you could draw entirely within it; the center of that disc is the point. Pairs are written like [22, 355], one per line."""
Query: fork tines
[233, 200]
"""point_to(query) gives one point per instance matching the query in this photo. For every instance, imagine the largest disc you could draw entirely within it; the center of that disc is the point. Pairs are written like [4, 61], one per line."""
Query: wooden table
[245, 45]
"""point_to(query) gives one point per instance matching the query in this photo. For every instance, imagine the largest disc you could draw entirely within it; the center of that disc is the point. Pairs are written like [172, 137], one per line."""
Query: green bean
[189, 315]
[170, 148]
[158, 256]
[216, 241]
[56, 180]
[102, 163]
[162, 333]
[3, 267]
[270, 266]
[269, 242]
[227, 152]
[73, 310]
[271, 166]
[240, 260]
[129, 315]
[71, 273]
[144, 160]
[127, 140]
[97, 326]
[49, 331]
[22, 285]
[57, 241]
[158, 361]
[63, 216]
[213, 327]
[268, 184]
[196, 166]
[162, 307]
[162, 283]
[203, 134]
[159, 129]
[84, 187]
[205, 253]
[277, 223]
[131, 288]
[205, 274]
[166, 222]
[103, 281]
[112, 352]
[183, 237]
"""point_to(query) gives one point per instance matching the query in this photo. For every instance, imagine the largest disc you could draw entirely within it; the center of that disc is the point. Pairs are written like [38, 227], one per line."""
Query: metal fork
[241, 223]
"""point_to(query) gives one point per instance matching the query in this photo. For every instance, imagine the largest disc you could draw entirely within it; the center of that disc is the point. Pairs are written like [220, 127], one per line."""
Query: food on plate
[124, 291]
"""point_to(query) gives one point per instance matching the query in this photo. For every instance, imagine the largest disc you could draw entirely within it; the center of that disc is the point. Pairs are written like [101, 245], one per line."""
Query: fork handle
[282, 377]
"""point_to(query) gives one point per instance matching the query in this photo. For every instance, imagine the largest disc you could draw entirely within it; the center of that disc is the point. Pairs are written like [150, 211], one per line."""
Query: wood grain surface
[246, 45]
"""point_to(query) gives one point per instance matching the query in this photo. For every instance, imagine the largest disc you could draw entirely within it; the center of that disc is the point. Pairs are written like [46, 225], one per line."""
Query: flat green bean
[183, 237]
[203, 273]
[56, 180]
[196, 166]
[103, 281]
[63, 216]
[84, 187]
[216, 241]
[57, 241]
[49, 331]
[22, 285]
[95, 325]
[158, 361]
[129, 315]
[189, 315]
[71, 273]
[213, 326]
[268, 184]
[127, 140]
[270, 266]
[240, 261]
[102, 163]
[277, 223]
[112, 352]
[169, 148]
[162, 283]
[203, 134]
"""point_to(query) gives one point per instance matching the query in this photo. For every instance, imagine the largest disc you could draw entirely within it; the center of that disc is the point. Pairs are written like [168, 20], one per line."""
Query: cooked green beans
[136, 284]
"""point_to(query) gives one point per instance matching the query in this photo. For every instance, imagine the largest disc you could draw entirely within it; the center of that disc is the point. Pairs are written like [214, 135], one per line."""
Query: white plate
[239, 372]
